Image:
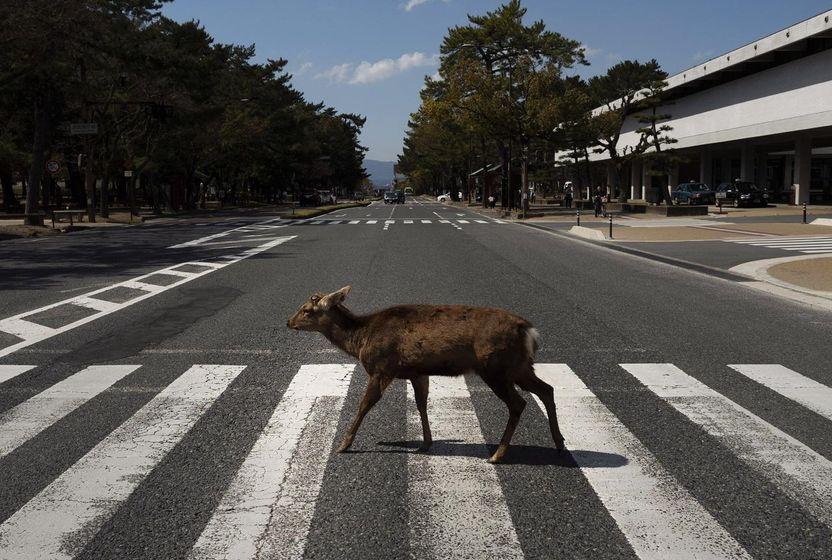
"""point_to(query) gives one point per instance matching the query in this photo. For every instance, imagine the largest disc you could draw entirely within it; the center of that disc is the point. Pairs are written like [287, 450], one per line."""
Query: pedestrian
[597, 201]
[567, 195]
[491, 201]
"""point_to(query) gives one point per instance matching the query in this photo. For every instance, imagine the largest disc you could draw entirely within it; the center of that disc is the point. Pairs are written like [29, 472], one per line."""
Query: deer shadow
[533, 455]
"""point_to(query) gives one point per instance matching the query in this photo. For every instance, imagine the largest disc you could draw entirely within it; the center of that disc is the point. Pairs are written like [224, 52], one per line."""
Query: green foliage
[169, 101]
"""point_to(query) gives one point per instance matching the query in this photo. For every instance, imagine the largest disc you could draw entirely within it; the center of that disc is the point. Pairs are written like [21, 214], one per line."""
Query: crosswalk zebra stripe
[270, 503]
[408, 221]
[10, 371]
[463, 221]
[444, 221]
[800, 239]
[659, 518]
[59, 521]
[796, 469]
[426, 221]
[34, 415]
[456, 505]
[353, 222]
[372, 221]
[808, 392]
[481, 221]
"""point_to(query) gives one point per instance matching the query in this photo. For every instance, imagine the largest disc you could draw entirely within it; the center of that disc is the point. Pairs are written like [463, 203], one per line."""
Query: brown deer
[415, 341]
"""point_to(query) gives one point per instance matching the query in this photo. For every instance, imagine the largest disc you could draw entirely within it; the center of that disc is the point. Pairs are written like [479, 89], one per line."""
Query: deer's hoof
[496, 459]
[344, 447]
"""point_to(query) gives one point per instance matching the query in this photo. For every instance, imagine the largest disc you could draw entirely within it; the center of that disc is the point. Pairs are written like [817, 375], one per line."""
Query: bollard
[610, 226]
[804, 212]
[578, 213]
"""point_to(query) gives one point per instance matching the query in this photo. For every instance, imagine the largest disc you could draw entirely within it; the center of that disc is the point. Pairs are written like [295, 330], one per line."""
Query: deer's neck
[345, 330]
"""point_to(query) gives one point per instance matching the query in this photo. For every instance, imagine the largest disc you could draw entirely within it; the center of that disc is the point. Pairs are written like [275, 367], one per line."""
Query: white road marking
[463, 221]
[426, 221]
[372, 221]
[408, 221]
[202, 240]
[268, 507]
[444, 221]
[793, 467]
[801, 244]
[481, 221]
[813, 395]
[656, 514]
[317, 222]
[97, 304]
[34, 415]
[353, 222]
[65, 516]
[32, 333]
[9, 371]
[333, 222]
[456, 505]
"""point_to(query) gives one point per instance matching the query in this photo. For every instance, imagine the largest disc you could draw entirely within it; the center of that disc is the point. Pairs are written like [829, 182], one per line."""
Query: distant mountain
[381, 172]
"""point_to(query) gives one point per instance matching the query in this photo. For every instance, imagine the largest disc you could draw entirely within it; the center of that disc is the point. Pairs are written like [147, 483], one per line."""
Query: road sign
[128, 173]
[53, 166]
[80, 129]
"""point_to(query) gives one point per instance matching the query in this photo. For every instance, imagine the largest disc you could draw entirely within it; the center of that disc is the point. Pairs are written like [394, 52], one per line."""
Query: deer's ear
[335, 298]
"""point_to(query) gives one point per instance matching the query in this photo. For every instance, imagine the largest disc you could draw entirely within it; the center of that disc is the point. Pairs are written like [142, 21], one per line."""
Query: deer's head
[313, 314]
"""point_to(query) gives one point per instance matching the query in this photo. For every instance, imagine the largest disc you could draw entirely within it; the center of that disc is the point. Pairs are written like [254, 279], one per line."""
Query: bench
[57, 214]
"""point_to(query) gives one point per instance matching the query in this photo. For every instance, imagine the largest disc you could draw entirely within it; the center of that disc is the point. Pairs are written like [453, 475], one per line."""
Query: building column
[726, 171]
[635, 180]
[610, 178]
[747, 162]
[646, 179]
[802, 169]
[761, 172]
[787, 173]
[706, 168]
[673, 176]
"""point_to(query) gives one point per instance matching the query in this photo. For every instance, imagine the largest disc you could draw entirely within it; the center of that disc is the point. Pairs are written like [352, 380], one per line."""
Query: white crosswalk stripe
[456, 504]
[87, 493]
[808, 392]
[36, 414]
[394, 221]
[795, 468]
[447, 492]
[799, 244]
[269, 504]
[657, 515]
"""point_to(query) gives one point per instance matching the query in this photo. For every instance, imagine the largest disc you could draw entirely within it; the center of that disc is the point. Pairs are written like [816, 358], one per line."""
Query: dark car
[741, 193]
[401, 199]
[309, 198]
[693, 193]
[391, 197]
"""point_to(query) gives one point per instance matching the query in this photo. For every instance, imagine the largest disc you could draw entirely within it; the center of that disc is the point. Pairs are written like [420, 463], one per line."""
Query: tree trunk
[42, 124]
[105, 195]
[89, 186]
[7, 180]
[505, 187]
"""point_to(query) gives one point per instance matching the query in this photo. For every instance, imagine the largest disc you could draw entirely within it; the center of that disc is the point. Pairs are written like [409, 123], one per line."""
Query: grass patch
[301, 213]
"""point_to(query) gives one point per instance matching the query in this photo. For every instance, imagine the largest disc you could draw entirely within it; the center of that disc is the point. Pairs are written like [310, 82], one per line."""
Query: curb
[822, 222]
[765, 282]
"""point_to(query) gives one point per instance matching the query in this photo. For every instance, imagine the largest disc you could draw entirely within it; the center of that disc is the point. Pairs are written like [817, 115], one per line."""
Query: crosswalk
[801, 244]
[456, 501]
[386, 223]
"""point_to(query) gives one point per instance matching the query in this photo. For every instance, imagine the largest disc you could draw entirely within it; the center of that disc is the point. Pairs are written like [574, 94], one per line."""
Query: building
[761, 112]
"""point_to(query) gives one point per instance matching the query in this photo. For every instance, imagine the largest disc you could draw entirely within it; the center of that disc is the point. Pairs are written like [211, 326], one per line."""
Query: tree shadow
[533, 455]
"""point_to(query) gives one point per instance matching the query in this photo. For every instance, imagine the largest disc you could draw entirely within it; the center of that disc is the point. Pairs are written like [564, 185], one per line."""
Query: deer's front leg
[375, 387]
[420, 391]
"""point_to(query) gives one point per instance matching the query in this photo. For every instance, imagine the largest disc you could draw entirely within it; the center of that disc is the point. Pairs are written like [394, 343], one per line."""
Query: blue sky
[370, 56]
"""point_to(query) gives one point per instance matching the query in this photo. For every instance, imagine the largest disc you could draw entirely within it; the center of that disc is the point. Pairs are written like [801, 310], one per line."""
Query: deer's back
[409, 340]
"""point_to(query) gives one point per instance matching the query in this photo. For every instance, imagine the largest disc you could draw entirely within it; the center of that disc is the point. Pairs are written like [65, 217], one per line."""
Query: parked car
[693, 193]
[391, 197]
[309, 198]
[741, 193]
[444, 198]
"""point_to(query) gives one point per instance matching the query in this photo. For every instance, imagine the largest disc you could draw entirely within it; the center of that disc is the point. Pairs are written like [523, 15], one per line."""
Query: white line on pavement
[657, 515]
[456, 505]
[793, 467]
[58, 522]
[32, 416]
[9, 371]
[808, 392]
[269, 504]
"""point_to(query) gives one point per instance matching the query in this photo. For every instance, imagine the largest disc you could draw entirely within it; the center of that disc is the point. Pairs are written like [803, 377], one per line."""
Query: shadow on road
[517, 454]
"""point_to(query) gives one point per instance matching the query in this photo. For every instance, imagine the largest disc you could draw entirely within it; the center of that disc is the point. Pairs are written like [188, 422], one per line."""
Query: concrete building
[762, 112]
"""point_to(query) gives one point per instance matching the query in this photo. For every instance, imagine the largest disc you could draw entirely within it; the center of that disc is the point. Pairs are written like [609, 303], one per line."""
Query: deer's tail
[532, 341]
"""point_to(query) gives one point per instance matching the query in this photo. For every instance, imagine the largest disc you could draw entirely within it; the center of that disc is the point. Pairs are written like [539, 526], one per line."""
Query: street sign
[128, 173]
[53, 166]
[81, 129]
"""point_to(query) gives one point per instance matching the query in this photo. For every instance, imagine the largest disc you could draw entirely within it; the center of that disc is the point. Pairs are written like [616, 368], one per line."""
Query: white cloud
[304, 68]
[591, 51]
[368, 72]
[414, 3]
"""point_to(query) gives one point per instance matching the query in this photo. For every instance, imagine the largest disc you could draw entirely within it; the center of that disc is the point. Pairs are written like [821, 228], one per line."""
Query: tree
[629, 88]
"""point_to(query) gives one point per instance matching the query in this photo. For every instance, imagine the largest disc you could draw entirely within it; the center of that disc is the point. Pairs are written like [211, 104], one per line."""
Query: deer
[413, 342]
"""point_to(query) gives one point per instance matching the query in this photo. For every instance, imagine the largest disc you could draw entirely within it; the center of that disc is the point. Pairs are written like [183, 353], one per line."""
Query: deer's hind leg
[420, 391]
[533, 384]
[505, 390]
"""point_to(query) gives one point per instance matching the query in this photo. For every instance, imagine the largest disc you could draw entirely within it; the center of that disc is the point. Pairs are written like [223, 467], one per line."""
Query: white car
[444, 198]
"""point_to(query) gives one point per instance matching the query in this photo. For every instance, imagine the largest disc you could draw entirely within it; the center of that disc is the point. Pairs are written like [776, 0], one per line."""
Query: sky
[371, 56]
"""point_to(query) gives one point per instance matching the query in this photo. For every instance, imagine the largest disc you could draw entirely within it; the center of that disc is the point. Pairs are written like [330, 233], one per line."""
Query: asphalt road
[218, 441]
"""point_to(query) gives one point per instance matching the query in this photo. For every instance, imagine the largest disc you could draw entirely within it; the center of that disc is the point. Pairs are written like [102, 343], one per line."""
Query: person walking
[491, 201]
[567, 195]
[597, 201]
